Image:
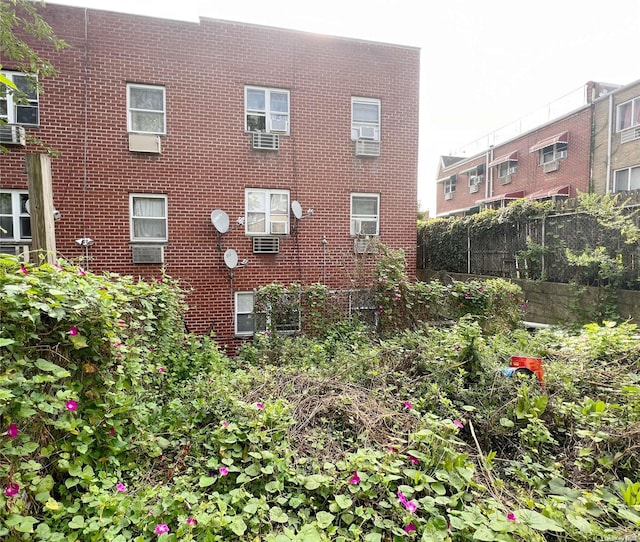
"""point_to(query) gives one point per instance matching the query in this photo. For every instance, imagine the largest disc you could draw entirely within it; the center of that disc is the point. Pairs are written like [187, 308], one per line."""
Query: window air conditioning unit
[551, 166]
[630, 135]
[473, 188]
[368, 132]
[360, 226]
[266, 245]
[148, 254]
[266, 142]
[12, 134]
[145, 143]
[561, 154]
[505, 180]
[367, 147]
[365, 245]
[448, 195]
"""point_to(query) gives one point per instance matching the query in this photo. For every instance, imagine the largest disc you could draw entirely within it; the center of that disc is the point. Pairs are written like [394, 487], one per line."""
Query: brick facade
[207, 159]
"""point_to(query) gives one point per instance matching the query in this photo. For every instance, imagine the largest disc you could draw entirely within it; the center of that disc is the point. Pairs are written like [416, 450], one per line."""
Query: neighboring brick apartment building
[593, 148]
[159, 123]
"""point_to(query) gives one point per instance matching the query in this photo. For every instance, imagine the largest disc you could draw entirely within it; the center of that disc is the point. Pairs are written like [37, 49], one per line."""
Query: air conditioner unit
[145, 143]
[361, 226]
[560, 154]
[551, 166]
[365, 245]
[278, 228]
[266, 142]
[505, 180]
[148, 254]
[367, 147]
[473, 188]
[266, 245]
[630, 135]
[511, 171]
[448, 195]
[12, 134]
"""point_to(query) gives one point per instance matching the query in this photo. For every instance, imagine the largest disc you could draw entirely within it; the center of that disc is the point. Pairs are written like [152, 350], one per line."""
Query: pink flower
[121, 487]
[223, 471]
[355, 479]
[511, 516]
[117, 344]
[457, 347]
[259, 406]
[224, 424]
[408, 405]
[409, 528]
[73, 331]
[120, 323]
[13, 430]
[71, 405]
[11, 489]
[162, 370]
[411, 506]
[413, 459]
[81, 272]
[458, 424]
[23, 269]
[159, 281]
[192, 521]
[402, 498]
[112, 431]
[161, 528]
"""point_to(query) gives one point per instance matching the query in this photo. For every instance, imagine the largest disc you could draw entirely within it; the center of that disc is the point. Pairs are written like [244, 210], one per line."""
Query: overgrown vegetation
[118, 426]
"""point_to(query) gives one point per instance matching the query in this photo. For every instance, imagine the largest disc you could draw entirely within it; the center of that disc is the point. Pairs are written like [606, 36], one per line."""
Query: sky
[484, 63]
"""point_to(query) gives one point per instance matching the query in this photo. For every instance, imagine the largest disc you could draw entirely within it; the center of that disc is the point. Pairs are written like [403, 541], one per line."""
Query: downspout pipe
[609, 137]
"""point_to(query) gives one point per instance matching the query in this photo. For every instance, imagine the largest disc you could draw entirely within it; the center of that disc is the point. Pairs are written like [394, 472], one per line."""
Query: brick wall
[529, 176]
[207, 160]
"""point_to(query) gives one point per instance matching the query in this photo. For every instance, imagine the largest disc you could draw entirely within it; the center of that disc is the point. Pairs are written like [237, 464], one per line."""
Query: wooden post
[43, 235]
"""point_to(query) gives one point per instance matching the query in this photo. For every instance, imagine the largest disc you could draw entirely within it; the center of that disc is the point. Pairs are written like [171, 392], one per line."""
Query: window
[21, 106]
[626, 179]
[267, 212]
[475, 176]
[15, 224]
[266, 110]
[450, 185]
[554, 152]
[628, 114]
[286, 318]
[148, 218]
[507, 168]
[365, 119]
[146, 109]
[365, 217]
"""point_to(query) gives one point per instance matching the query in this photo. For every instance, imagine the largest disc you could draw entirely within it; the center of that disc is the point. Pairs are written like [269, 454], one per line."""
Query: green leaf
[206, 481]
[22, 524]
[324, 519]
[77, 522]
[79, 341]
[238, 526]
[482, 533]
[278, 515]
[251, 508]
[537, 521]
[5, 342]
[344, 501]
[373, 537]
[580, 523]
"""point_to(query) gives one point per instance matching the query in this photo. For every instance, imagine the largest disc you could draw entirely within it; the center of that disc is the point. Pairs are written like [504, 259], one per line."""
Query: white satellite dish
[231, 258]
[220, 220]
[26, 207]
[297, 209]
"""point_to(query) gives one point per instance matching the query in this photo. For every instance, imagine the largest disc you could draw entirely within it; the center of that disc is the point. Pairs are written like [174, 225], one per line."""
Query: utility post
[43, 235]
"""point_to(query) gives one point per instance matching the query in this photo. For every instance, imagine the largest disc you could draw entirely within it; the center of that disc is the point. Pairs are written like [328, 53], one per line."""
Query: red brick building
[551, 160]
[159, 123]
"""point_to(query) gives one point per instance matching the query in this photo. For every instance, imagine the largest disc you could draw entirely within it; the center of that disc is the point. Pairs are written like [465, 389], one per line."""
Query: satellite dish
[231, 258]
[26, 207]
[297, 209]
[220, 220]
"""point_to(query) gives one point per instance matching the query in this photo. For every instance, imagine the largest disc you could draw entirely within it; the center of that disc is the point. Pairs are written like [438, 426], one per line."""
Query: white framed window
[245, 319]
[146, 109]
[248, 321]
[551, 153]
[148, 218]
[15, 223]
[365, 214]
[507, 168]
[626, 179]
[365, 119]
[450, 184]
[266, 212]
[628, 114]
[21, 106]
[266, 110]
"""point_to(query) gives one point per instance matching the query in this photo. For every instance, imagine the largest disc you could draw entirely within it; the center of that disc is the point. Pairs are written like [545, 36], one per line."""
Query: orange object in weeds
[532, 365]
